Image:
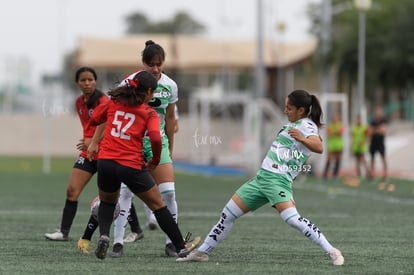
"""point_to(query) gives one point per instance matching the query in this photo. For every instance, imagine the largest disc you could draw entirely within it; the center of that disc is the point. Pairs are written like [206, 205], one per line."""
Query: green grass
[373, 228]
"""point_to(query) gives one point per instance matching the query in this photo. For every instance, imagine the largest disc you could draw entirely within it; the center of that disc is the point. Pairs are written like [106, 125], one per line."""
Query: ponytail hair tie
[132, 83]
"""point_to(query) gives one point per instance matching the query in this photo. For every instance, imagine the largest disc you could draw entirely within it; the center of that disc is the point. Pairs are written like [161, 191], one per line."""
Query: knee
[72, 193]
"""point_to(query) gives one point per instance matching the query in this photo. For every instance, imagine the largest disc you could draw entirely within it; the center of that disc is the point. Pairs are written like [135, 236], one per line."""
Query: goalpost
[232, 129]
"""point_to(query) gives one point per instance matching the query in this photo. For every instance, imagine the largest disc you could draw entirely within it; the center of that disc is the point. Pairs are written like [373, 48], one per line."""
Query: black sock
[105, 217]
[90, 228]
[133, 220]
[69, 212]
[336, 167]
[325, 173]
[168, 225]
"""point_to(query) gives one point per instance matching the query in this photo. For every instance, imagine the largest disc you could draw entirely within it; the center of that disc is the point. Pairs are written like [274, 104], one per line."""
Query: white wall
[28, 135]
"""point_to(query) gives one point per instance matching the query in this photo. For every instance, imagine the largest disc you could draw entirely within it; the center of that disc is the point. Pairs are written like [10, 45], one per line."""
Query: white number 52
[120, 130]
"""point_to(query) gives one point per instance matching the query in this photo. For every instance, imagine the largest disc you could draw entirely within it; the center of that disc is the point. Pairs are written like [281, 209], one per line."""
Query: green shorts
[165, 152]
[335, 145]
[266, 187]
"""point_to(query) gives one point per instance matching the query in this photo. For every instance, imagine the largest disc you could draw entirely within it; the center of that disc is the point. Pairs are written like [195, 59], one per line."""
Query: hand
[92, 151]
[151, 165]
[295, 133]
[81, 145]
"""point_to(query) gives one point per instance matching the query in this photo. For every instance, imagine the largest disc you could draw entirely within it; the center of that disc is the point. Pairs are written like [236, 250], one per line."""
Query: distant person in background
[335, 146]
[83, 169]
[359, 146]
[272, 184]
[377, 132]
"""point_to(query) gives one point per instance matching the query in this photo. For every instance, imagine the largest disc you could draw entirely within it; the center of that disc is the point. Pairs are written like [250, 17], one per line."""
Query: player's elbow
[318, 149]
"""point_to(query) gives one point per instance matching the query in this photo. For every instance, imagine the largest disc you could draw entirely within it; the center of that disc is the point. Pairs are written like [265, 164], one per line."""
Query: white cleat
[133, 237]
[336, 257]
[194, 256]
[57, 236]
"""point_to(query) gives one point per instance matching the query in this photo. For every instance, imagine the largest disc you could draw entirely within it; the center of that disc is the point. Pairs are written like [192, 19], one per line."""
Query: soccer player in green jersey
[273, 182]
[164, 100]
[360, 146]
[335, 146]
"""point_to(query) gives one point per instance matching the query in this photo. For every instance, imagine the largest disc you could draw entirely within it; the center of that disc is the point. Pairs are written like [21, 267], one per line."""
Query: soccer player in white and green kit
[273, 182]
[164, 100]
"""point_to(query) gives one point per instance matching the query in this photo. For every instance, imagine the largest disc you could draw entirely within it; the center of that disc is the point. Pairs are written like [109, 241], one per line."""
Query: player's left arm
[308, 135]
[170, 125]
[382, 129]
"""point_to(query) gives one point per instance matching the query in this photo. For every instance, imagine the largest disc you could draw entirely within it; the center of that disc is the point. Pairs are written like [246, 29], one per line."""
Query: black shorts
[86, 165]
[111, 174]
[377, 147]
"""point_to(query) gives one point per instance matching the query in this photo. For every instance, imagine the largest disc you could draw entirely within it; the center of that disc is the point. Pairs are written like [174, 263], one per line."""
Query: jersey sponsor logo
[164, 93]
[282, 194]
[155, 102]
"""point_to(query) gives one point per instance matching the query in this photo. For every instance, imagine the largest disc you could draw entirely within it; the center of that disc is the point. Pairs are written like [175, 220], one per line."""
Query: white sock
[222, 228]
[310, 230]
[150, 215]
[125, 200]
[167, 190]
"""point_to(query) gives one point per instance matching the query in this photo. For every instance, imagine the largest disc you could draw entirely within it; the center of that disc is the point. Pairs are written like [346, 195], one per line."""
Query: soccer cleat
[103, 245]
[194, 256]
[133, 237]
[336, 257]
[57, 236]
[117, 251]
[170, 250]
[189, 246]
[83, 245]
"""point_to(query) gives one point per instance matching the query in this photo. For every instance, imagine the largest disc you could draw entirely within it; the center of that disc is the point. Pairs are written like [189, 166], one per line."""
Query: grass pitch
[372, 225]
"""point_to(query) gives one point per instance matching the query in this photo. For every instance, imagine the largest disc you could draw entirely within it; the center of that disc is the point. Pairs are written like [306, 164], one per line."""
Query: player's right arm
[98, 118]
[153, 128]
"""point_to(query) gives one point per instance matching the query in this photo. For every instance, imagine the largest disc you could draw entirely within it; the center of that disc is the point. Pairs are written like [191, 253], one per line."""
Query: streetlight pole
[260, 80]
[362, 6]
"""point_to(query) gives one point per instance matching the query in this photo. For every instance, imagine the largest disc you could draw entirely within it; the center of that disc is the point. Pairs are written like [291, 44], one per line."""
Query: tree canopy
[389, 44]
[181, 23]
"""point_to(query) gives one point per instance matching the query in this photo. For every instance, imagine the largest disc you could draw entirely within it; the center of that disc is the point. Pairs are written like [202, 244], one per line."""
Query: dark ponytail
[313, 109]
[93, 100]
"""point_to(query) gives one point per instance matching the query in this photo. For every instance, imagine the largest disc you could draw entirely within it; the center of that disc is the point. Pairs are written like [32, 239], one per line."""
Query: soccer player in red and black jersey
[127, 118]
[83, 169]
